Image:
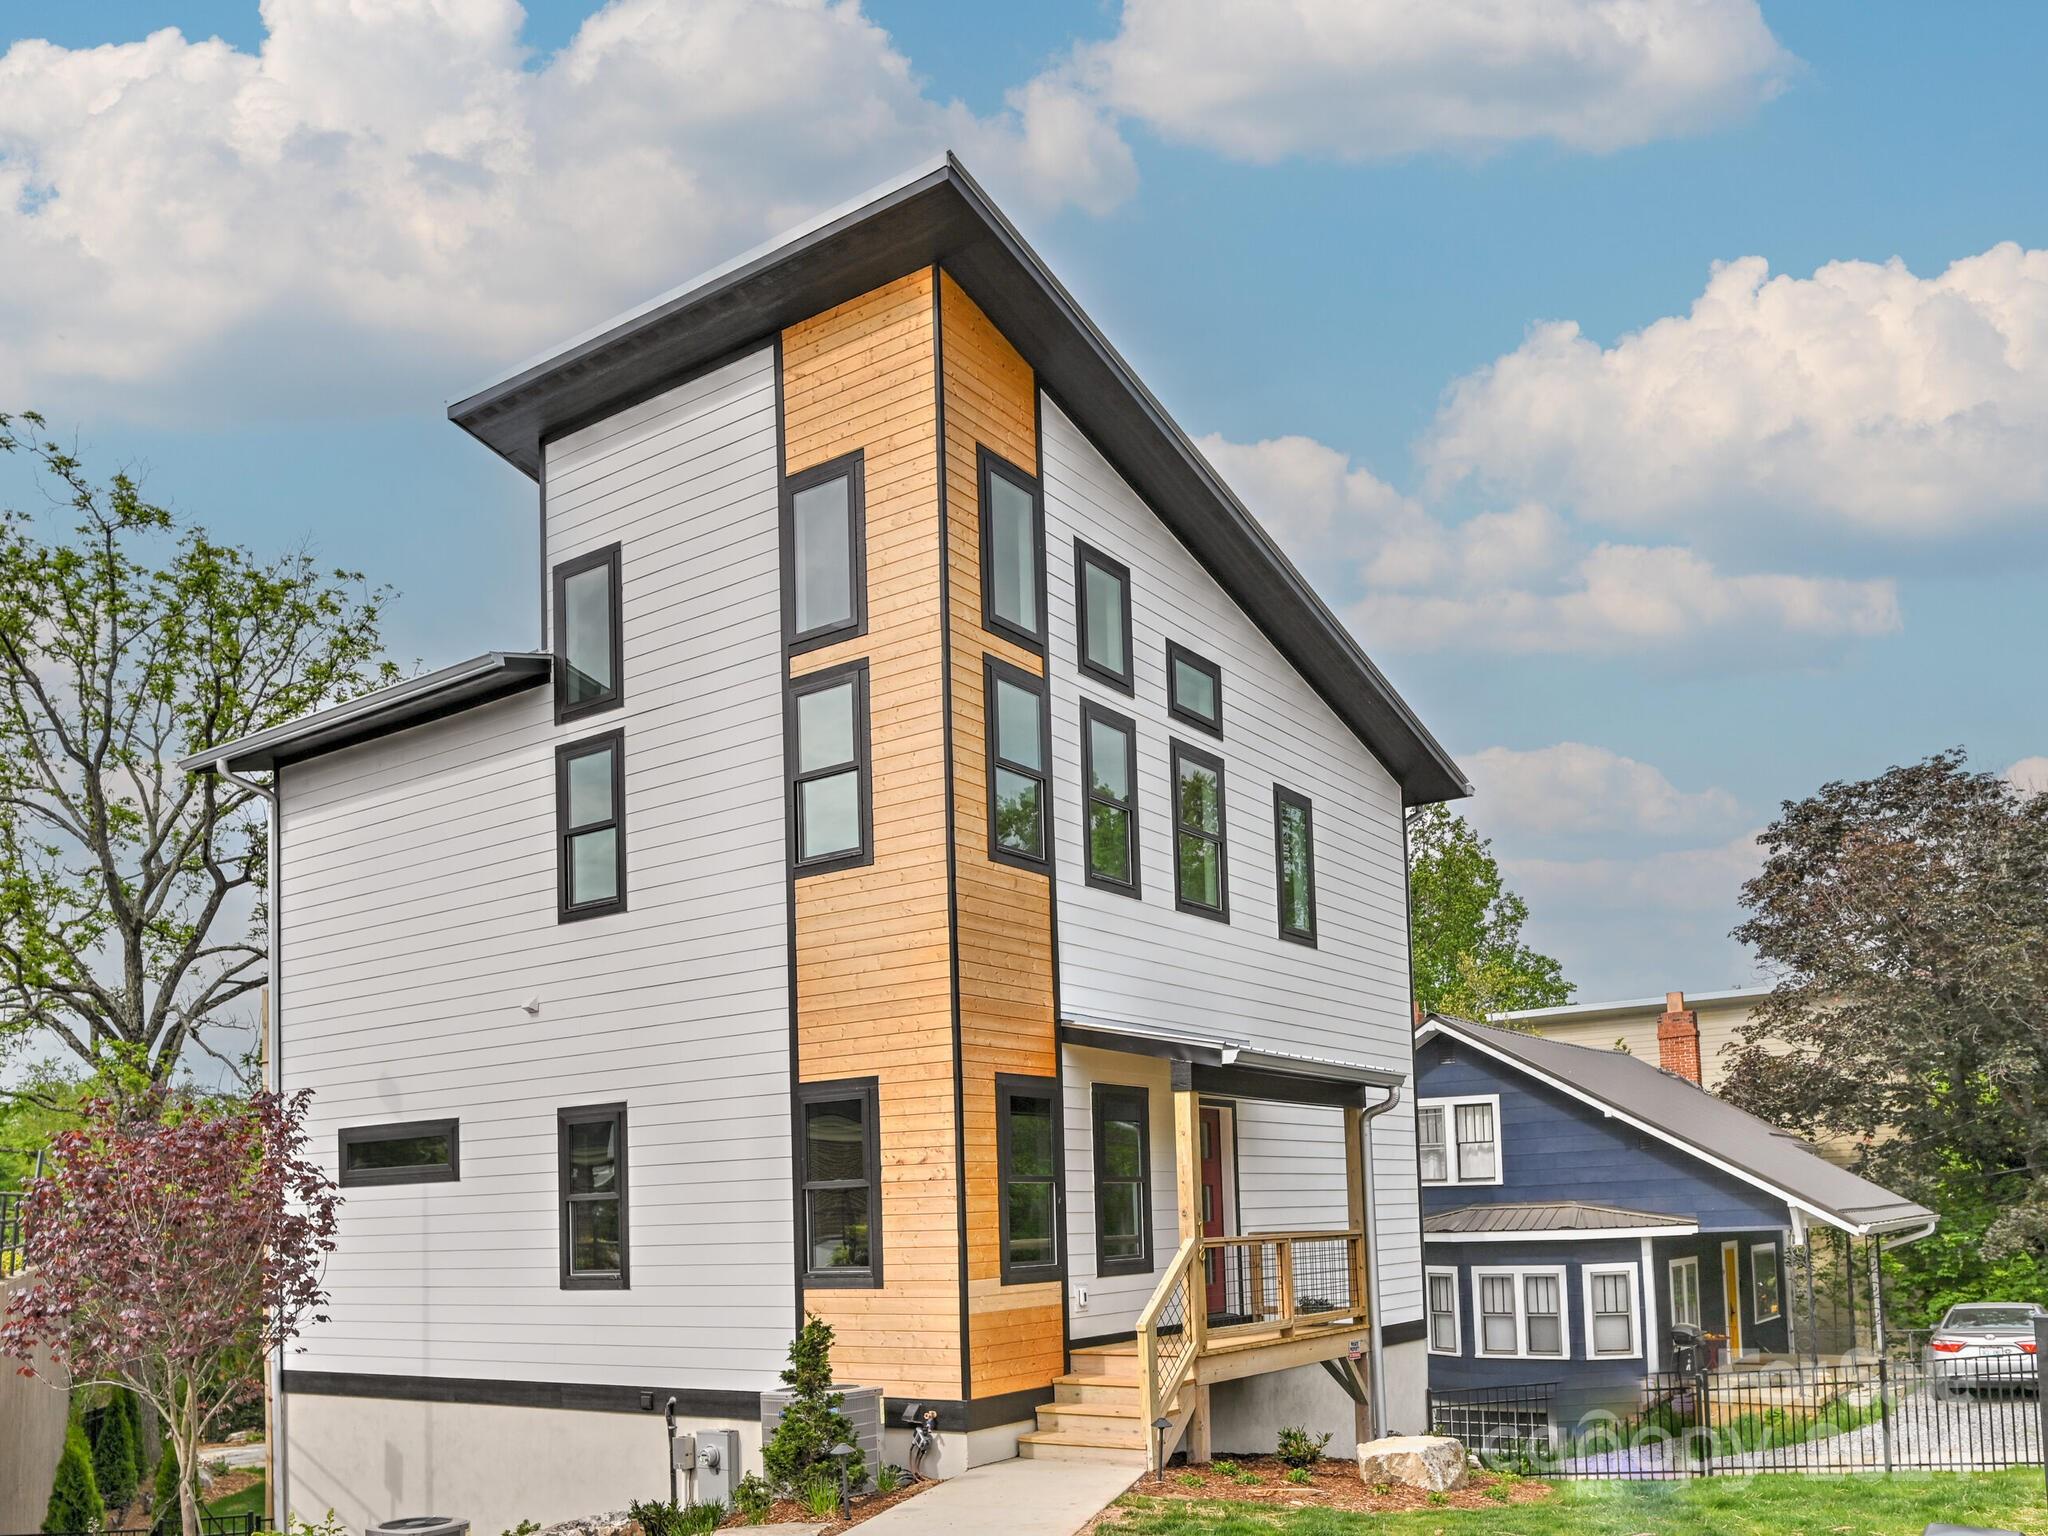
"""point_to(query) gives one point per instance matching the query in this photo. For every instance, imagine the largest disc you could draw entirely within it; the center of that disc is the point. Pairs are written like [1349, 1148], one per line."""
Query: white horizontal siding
[1142, 961]
[1114, 1301]
[418, 913]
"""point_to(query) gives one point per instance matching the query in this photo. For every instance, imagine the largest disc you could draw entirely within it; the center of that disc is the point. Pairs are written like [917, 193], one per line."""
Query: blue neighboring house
[1577, 1203]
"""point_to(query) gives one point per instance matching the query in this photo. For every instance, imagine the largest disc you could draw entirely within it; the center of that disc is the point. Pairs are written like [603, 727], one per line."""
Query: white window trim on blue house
[1431, 1312]
[1634, 1273]
[1756, 1311]
[1447, 1110]
[1521, 1275]
[1691, 1263]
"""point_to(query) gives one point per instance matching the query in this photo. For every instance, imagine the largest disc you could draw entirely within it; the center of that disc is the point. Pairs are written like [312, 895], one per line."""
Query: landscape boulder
[1434, 1463]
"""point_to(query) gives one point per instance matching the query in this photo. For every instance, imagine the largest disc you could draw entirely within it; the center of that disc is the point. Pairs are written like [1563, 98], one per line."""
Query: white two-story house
[941, 869]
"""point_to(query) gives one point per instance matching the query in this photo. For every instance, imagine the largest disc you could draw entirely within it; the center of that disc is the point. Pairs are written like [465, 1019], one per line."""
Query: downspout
[276, 1470]
[1372, 1259]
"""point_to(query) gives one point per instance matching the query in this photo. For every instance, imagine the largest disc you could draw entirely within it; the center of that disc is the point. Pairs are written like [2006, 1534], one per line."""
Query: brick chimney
[1678, 1038]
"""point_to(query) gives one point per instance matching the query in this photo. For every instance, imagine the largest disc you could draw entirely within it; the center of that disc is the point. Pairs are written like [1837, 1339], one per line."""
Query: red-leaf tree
[171, 1247]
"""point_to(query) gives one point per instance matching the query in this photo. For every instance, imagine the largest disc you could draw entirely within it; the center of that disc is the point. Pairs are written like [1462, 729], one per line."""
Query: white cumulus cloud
[2029, 775]
[1863, 399]
[1362, 79]
[1573, 789]
[398, 190]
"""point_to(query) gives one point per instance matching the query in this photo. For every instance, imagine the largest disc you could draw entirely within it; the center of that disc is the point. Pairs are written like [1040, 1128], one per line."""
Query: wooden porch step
[1111, 1362]
[1117, 1425]
[1097, 1389]
[1070, 1445]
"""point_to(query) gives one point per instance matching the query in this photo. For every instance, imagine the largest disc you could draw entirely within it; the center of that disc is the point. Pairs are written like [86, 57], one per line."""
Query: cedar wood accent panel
[873, 960]
[1007, 1007]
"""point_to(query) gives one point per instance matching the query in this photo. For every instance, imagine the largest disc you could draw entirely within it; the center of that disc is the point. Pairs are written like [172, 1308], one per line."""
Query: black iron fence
[1929, 1412]
[13, 1240]
[209, 1525]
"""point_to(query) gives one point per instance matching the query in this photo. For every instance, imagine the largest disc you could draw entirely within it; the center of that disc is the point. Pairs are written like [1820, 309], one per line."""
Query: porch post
[1187, 1151]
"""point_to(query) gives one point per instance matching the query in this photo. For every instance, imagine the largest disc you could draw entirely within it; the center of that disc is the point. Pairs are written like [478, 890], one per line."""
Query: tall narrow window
[824, 571]
[1295, 852]
[1201, 883]
[1610, 1309]
[588, 661]
[828, 767]
[417, 1152]
[1109, 775]
[1015, 704]
[1544, 1301]
[592, 1143]
[1685, 1292]
[1123, 1180]
[1763, 1280]
[1027, 1155]
[1194, 689]
[1499, 1331]
[1012, 553]
[590, 825]
[1443, 1312]
[1429, 1144]
[840, 1167]
[1102, 604]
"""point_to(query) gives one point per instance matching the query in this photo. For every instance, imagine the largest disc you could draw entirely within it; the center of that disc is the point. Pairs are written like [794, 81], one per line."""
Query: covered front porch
[1231, 1292]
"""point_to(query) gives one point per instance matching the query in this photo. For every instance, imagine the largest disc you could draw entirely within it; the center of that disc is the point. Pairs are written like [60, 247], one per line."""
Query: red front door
[1212, 1203]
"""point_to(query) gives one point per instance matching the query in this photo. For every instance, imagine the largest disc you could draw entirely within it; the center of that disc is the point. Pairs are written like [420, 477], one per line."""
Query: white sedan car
[1986, 1344]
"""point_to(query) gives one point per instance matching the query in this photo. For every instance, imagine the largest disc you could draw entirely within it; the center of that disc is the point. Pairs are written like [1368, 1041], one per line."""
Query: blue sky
[1646, 579]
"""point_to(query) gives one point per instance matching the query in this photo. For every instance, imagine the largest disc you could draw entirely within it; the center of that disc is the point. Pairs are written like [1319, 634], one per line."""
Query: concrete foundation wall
[1247, 1415]
[32, 1419]
[371, 1459]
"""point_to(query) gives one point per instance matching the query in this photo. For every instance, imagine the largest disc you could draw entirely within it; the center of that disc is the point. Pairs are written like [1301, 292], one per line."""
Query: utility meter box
[717, 1465]
[863, 1410]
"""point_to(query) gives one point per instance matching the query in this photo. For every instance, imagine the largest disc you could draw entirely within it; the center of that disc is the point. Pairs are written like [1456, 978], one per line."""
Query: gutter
[1372, 1259]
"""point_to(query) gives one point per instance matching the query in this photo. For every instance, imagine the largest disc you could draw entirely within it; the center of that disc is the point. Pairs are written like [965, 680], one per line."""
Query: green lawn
[247, 1502]
[1784, 1505]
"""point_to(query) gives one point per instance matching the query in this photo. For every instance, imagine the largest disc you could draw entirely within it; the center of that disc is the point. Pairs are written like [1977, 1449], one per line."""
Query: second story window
[1102, 607]
[1194, 689]
[588, 649]
[1109, 772]
[824, 559]
[1012, 553]
[828, 761]
[1294, 850]
[1201, 883]
[590, 826]
[1015, 701]
[1458, 1140]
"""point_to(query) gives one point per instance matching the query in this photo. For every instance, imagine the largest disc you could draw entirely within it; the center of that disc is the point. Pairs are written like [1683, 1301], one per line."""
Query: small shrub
[1300, 1475]
[1225, 1468]
[701, 1519]
[114, 1466]
[1299, 1448]
[1247, 1479]
[298, 1525]
[656, 1517]
[1438, 1499]
[753, 1498]
[1498, 1492]
[1190, 1479]
[820, 1496]
[523, 1528]
[1381, 1490]
[811, 1423]
[887, 1478]
[75, 1503]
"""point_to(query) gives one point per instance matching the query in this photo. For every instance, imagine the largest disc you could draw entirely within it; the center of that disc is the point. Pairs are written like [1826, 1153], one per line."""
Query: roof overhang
[1235, 1068]
[481, 679]
[939, 215]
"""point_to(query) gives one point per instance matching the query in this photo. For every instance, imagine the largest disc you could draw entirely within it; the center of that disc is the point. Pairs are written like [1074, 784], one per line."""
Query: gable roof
[1543, 1218]
[1684, 1115]
[938, 214]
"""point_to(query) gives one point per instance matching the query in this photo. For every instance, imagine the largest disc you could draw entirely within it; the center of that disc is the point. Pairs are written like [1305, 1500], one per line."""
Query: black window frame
[1091, 712]
[868, 1091]
[1178, 752]
[613, 740]
[1176, 652]
[403, 1130]
[987, 465]
[853, 466]
[994, 670]
[1099, 1094]
[795, 688]
[591, 1114]
[609, 555]
[1283, 798]
[1020, 1085]
[1086, 555]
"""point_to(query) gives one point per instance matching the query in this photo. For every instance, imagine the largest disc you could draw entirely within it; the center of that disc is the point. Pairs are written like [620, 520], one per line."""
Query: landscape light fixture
[1160, 1426]
[840, 1454]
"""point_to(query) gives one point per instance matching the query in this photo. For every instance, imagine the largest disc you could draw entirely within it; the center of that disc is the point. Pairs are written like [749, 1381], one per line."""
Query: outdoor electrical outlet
[1080, 1298]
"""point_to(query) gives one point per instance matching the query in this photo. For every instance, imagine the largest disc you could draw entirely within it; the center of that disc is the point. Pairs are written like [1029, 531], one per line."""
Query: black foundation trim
[568, 1395]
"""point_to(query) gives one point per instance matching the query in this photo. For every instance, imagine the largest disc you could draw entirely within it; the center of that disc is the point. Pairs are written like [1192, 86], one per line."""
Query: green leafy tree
[1907, 918]
[113, 1453]
[1466, 926]
[125, 645]
[75, 1503]
[811, 1423]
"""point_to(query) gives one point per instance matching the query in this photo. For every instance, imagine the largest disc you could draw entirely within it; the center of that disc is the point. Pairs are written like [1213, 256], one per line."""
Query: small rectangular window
[1763, 1281]
[1544, 1296]
[589, 664]
[1295, 851]
[1499, 1329]
[1429, 1143]
[1476, 1147]
[1201, 882]
[839, 1164]
[1017, 778]
[593, 1192]
[1194, 689]
[1028, 1162]
[1102, 608]
[1685, 1292]
[1123, 1180]
[824, 591]
[829, 793]
[1443, 1312]
[1109, 777]
[1012, 553]
[590, 823]
[1458, 1140]
[1611, 1310]
[416, 1152]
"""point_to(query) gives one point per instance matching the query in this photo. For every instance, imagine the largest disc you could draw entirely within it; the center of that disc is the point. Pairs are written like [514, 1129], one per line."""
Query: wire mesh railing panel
[1268, 1280]
[13, 1238]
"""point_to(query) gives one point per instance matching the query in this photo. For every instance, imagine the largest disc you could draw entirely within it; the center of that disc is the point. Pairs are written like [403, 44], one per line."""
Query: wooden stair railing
[1170, 1334]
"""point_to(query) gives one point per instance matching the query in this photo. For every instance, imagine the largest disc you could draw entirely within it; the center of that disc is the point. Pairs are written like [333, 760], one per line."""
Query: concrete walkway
[1017, 1498]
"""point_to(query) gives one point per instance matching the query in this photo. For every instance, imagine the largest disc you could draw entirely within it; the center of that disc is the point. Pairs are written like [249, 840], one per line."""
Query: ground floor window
[1520, 1312]
[1443, 1312]
[1612, 1329]
[1763, 1281]
[1027, 1154]
[593, 1181]
[1123, 1181]
[1685, 1292]
[840, 1163]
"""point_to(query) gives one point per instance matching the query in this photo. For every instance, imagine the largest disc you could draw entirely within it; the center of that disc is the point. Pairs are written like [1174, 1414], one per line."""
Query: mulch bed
[1332, 1484]
[865, 1507]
